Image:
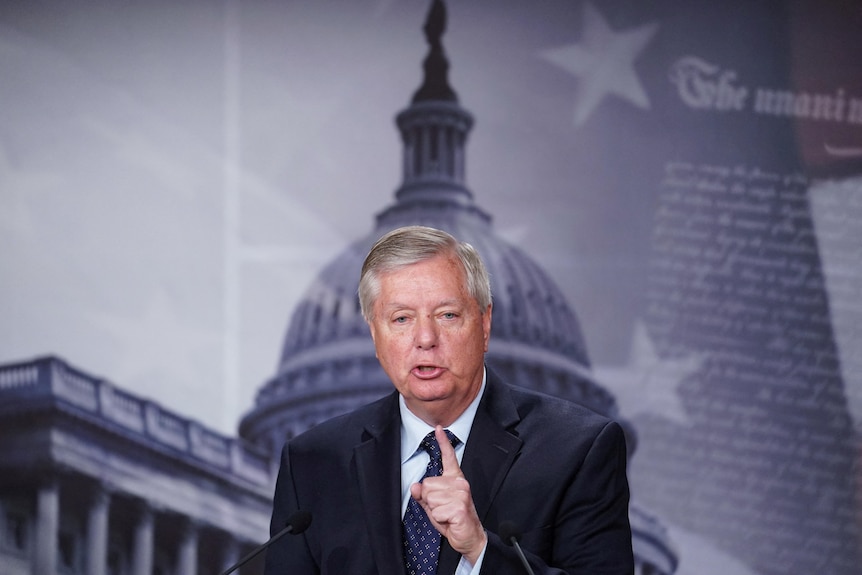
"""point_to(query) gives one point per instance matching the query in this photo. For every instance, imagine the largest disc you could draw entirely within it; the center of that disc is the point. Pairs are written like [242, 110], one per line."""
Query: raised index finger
[447, 454]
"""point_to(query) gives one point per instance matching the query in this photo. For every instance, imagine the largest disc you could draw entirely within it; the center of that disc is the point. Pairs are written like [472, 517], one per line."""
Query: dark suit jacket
[555, 469]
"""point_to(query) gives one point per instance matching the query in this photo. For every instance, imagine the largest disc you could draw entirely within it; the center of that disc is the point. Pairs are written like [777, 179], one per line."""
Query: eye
[400, 319]
[450, 315]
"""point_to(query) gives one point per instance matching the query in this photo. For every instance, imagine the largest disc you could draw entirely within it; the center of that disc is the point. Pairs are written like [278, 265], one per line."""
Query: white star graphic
[603, 63]
[648, 383]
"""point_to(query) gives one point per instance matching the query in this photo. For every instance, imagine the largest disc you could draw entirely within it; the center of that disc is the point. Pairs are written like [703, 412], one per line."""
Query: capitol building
[96, 480]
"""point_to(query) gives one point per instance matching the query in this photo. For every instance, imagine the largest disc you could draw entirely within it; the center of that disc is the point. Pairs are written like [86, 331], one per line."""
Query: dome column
[47, 528]
[97, 531]
[143, 543]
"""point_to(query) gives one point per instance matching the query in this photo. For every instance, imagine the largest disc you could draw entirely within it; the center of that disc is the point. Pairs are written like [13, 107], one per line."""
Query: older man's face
[431, 337]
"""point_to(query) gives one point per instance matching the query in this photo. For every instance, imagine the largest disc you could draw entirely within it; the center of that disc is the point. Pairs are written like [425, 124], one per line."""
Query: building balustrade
[51, 377]
[101, 498]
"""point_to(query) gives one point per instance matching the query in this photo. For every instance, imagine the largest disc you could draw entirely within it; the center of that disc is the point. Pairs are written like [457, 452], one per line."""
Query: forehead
[441, 274]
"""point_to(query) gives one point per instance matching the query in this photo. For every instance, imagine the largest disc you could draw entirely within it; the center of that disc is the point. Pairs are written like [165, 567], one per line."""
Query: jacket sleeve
[290, 554]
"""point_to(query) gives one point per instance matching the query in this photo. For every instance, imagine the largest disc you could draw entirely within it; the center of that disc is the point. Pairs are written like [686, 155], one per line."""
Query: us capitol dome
[328, 365]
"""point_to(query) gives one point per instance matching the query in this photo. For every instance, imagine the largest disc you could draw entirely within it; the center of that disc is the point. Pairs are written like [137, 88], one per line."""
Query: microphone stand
[509, 534]
[297, 523]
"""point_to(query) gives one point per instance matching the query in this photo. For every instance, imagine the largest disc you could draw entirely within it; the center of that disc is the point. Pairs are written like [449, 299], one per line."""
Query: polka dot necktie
[421, 540]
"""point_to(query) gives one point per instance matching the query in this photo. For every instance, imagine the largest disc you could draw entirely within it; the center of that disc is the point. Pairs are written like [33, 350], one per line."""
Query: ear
[486, 326]
[373, 336]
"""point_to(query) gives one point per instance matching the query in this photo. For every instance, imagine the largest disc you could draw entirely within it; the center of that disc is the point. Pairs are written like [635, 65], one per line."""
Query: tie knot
[429, 444]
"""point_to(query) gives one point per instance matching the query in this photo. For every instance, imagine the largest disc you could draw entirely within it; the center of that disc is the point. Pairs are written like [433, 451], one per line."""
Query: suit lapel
[491, 450]
[379, 477]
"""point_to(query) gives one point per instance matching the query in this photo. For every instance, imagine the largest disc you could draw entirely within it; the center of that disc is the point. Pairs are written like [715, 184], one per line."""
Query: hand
[449, 505]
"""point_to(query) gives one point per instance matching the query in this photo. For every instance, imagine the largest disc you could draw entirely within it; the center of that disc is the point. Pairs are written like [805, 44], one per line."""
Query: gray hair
[413, 244]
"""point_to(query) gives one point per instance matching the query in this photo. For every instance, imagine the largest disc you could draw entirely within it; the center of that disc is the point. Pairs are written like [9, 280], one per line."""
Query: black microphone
[296, 524]
[509, 534]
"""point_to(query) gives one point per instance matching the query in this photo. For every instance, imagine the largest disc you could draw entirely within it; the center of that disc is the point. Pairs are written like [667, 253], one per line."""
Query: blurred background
[175, 176]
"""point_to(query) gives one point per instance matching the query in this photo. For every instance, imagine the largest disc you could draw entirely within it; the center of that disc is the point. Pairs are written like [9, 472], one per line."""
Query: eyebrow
[445, 303]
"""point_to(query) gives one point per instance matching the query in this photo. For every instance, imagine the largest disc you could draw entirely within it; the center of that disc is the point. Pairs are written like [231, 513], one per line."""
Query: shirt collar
[413, 429]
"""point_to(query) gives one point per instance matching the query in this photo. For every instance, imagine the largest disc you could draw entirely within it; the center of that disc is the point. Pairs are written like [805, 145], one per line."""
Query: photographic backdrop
[173, 175]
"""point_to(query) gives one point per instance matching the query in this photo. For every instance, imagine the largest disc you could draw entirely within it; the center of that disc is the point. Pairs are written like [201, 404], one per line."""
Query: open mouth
[426, 370]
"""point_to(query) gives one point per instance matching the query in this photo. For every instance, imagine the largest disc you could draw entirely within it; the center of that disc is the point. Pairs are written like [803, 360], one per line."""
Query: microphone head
[509, 532]
[299, 521]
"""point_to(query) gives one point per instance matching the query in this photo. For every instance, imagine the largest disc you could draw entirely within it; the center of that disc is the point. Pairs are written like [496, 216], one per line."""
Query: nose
[426, 333]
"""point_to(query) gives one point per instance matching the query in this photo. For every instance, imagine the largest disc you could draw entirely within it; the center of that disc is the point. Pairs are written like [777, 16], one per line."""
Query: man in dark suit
[372, 478]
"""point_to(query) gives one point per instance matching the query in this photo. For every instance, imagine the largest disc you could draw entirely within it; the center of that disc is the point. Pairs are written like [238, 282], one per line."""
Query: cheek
[391, 344]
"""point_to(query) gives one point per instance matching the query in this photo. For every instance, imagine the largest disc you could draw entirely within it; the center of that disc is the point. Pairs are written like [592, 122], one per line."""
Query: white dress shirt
[414, 460]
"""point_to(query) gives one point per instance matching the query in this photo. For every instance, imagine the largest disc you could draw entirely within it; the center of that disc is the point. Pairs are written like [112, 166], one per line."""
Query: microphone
[296, 524]
[509, 534]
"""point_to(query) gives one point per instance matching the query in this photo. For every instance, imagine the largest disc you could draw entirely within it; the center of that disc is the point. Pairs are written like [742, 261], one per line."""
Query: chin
[432, 390]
